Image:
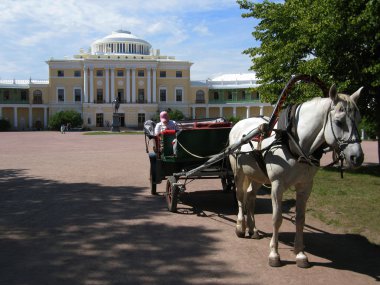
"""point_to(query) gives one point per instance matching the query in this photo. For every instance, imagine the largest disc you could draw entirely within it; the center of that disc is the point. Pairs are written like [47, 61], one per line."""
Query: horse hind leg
[242, 184]
[250, 206]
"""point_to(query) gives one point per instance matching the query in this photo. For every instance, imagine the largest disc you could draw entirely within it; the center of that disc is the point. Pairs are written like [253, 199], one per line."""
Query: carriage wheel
[152, 178]
[171, 194]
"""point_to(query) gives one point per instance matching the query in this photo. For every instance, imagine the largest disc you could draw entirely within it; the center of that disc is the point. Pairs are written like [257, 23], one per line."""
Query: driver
[165, 123]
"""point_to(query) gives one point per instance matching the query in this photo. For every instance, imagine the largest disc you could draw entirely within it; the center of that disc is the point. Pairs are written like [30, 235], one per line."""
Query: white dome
[121, 42]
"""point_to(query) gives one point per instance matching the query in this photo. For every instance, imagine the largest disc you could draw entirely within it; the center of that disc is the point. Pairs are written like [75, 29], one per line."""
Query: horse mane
[348, 99]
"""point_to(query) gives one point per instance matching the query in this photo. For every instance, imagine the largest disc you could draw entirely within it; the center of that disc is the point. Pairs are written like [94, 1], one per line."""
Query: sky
[209, 33]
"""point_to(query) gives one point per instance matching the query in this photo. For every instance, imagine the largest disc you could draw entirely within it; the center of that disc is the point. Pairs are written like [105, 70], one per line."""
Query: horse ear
[333, 93]
[357, 94]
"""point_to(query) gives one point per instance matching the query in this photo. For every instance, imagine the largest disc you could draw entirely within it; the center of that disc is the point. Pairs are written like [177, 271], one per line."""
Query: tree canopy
[336, 40]
[65, 117]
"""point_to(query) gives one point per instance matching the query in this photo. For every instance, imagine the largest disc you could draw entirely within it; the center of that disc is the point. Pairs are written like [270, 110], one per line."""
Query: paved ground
[77, 209]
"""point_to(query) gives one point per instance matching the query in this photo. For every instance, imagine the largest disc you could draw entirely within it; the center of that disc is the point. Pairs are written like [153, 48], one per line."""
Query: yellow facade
[124, 67]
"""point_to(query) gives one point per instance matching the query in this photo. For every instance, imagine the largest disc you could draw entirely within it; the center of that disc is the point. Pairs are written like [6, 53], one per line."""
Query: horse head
[341, 131]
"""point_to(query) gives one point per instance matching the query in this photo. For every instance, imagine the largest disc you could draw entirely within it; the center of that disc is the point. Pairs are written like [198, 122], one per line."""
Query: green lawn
[351, 203]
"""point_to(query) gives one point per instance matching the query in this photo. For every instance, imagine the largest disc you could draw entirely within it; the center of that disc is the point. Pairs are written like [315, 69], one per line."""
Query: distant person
[165, 123]
[63, 129]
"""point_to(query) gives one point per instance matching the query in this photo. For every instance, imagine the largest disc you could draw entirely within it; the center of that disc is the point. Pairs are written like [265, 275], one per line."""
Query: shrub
[63, 118]
[369, 127]
[4, 125]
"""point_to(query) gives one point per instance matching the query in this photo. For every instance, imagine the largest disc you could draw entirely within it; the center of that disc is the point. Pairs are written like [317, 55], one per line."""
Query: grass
[96, 133]
[351, 203]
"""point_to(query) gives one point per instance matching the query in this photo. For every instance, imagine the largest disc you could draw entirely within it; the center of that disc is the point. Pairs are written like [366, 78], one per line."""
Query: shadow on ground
[81, 233]
[343, 251]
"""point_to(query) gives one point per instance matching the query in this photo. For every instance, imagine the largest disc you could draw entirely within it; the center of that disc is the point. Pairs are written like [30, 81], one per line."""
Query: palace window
[60, 73]
[178, 73]
[6, 95]
[178, 94]
[140, 73]
[120, 95]
[140, 119]
[99, 119]
[99, 73]
[162, 73]
[141, 96]
[77, 73]
[216, 95]
[99, 96]
[229, 95]
[77, 94]
[120, 73]
[162, 95]
[24, 95]
[37, 97]
[61, 94]
[200, 96]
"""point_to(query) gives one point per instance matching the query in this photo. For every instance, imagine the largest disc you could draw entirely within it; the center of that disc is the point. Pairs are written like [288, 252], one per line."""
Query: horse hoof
[254, 235]
[240, 233]
[302, 261]
[274, 261]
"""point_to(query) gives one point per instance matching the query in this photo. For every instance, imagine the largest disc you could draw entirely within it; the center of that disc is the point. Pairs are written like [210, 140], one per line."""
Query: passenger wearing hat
[165, 123]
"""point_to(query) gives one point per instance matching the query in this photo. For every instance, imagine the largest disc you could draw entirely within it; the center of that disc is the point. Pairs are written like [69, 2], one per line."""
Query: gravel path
[77, 209]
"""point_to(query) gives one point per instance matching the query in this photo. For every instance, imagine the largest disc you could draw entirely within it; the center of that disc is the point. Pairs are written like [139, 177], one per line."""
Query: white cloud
[186, 29]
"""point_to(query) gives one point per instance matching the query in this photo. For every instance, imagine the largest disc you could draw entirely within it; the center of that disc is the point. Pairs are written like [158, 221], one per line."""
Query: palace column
[234, 112]
[154, 85]
[91, 85]
[149, 95]
[261, 110]
[207, 112]
[107, 86]
[112, 84]
[220, 111]
[128, 84]
[45, 117]
[85, 84]
[15, 122]
[30, 117]
[248, 112]
[133, 85]
[193, 113]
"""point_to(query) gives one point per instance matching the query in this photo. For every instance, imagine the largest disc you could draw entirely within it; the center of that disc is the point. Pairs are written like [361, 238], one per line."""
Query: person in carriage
[165, 123]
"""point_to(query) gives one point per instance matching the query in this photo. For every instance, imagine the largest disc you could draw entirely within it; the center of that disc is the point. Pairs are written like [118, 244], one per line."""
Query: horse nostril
[357, 160]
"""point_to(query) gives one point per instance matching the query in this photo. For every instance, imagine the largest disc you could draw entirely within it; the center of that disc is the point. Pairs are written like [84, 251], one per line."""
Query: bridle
[343, 143]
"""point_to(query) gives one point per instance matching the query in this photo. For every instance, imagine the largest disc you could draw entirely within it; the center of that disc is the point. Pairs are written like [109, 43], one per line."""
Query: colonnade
[129, 86]
[30, 115]
[248, 110]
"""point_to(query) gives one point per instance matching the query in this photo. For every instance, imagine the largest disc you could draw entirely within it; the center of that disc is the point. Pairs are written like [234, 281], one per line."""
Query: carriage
[292, 153]
[177, 152]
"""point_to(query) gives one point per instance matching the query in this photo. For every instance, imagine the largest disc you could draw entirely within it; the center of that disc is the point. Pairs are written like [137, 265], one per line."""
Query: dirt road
[77, 209]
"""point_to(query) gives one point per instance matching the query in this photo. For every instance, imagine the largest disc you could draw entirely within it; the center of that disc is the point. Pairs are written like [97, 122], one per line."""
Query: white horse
[317, 122]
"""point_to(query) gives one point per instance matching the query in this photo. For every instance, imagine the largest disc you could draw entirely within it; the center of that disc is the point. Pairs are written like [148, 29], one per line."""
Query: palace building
[123, 66]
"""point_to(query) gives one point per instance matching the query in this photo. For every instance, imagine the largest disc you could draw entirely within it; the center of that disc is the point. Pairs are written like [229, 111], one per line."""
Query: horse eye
[339, 123]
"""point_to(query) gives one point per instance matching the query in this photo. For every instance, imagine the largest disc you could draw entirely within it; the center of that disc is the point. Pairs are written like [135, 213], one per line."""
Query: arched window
[37, 97]
[200, 96]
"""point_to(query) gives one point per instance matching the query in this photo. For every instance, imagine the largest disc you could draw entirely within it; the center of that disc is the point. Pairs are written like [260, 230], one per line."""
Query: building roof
[111, 44]
[233, 81]
[21, 84]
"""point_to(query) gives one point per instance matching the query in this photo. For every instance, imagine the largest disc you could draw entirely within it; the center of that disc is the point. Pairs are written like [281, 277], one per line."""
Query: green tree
[65, 117]
[4, 125]
[337, 41]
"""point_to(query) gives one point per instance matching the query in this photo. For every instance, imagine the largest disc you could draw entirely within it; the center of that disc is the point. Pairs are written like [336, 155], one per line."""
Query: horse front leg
[277, 192]
[303, 193]
[250, 205]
